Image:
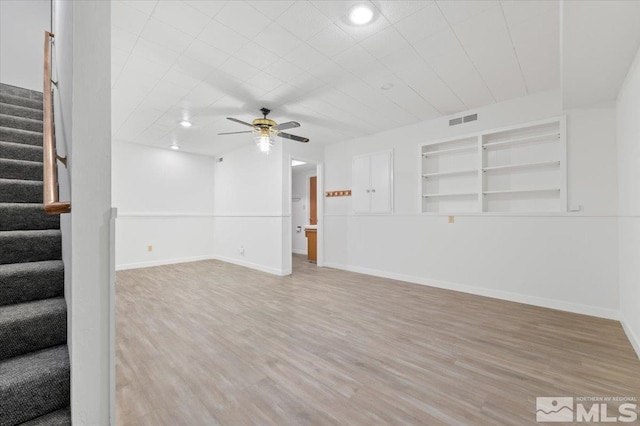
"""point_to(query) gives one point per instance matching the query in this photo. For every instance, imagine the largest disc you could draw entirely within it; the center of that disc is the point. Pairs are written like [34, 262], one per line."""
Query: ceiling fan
[266, 130]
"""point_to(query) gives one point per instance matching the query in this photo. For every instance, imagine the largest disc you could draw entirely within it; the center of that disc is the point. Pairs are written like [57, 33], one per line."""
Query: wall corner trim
[635, 341]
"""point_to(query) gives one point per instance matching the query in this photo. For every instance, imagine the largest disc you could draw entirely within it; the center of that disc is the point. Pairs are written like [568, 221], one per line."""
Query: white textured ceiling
[600, 40]
[206, 60]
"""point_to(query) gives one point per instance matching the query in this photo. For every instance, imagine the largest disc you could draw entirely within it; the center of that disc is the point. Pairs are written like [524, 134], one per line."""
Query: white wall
[164, 200]
[628, 131]
[252, 202]
[565, 261]
[248, 207]
[22, 27]
[83, 111]
[300, 205]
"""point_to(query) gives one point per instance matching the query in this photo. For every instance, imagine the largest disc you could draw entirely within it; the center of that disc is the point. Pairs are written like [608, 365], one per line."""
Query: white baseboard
[633, 338]
[161, 262]
[299, 251]
[496, 294]
[251, 265]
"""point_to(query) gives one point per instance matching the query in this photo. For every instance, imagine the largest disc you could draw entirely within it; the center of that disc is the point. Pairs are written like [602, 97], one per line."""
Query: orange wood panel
[312, 244]
[313, 200]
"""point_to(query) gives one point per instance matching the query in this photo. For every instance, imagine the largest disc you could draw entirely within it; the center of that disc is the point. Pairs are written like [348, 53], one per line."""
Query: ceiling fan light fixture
[264, 141]
[360, 14]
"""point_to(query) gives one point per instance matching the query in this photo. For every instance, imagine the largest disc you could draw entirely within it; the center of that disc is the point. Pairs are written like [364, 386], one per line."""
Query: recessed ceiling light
[361, 14]
[174, 146]
[297, 163]
[387, 86]
[185, 123]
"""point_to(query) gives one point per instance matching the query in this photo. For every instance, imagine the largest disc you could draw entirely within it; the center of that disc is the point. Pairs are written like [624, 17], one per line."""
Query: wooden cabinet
[312, 244]
[372, 185]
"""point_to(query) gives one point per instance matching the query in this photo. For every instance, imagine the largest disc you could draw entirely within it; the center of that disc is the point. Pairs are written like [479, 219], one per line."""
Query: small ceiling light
[361, 14]
[264, 141]
[174, 146]
[185, 123]
[297, 163]
[387, 86]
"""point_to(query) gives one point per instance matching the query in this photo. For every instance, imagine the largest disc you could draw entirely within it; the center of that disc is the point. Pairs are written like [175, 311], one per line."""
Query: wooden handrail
[52, 204]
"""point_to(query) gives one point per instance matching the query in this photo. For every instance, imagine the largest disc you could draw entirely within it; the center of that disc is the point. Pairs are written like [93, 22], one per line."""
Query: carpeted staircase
[34, 359]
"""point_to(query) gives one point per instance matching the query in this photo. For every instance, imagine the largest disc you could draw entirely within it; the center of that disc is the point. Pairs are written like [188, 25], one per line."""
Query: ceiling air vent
[465, 119]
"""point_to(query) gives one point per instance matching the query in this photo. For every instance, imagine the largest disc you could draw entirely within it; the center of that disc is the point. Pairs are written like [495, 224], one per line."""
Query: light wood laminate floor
[209, 343]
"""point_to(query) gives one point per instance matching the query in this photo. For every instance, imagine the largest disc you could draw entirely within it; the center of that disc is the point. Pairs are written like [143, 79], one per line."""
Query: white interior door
[381, 182]
[360, 194]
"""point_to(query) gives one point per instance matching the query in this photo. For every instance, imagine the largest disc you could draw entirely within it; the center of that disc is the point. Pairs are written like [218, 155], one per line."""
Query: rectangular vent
[465, 119]
[468, 118]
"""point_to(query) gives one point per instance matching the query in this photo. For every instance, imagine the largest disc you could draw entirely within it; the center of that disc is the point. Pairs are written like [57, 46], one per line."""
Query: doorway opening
[306, 213]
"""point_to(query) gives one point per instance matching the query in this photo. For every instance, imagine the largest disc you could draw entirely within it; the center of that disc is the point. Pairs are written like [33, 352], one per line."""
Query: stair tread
[29, 233]
[34, 384]
[15, 117]
[22, 368]
[25, 162]
[17, 268]
[21, 181]
[20, 101]
[24, 282]
[8, 105]
[25, 206]
[21, 145]
[32, 309]
[28, 132]
[60, 417]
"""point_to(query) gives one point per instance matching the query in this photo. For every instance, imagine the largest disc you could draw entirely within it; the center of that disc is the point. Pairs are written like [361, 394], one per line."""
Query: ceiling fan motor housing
[263, 123]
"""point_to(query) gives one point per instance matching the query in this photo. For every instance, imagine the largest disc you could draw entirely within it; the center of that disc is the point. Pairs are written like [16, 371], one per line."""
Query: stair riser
[17, 249]
[39, 394]
[20, 123]
[20, 101]
[21, 336]
[20, 191]
[20, 170]
[20, 136]
[24, 219]
[32, 281]
[19, 151]
[19, 111]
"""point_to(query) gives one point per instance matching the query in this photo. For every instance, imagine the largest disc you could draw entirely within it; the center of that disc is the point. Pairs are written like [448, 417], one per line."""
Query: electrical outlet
[451, 219]
[149, 248]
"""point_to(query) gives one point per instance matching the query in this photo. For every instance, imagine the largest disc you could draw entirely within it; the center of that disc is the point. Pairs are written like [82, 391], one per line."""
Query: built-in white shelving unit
[514, 169]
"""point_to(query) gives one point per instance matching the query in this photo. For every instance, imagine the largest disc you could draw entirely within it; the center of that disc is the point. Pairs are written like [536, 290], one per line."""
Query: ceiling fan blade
[293, 137]
[240, 121]
[235, 133]
[287, 125]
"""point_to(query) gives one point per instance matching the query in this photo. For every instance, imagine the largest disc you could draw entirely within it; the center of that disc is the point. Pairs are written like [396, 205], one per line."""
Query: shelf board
[453, 172]
[450, 150]
[523, 165]
[520, 191]
[527, 139]
[450, 194]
